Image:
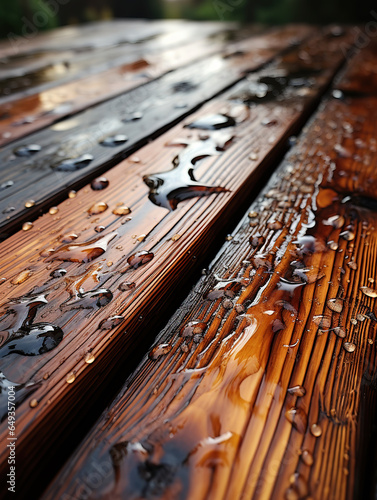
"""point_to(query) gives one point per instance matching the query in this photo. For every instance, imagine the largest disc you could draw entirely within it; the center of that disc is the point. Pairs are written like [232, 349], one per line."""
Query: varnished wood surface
[257, 387]
[160, 103]
[18, 78]
[63, 375]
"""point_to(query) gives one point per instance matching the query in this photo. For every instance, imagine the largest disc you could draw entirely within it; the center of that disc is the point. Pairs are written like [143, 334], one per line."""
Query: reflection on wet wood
[138, 115]
[98, 266]
[19, 79]
[263, 383]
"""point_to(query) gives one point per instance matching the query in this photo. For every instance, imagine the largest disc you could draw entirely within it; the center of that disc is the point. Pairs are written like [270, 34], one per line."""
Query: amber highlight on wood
[255, 389]
[84, 281]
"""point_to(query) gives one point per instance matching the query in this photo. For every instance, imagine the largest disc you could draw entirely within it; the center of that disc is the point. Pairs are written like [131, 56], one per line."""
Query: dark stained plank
[67, 66]
[160, 103]
[31, 113]
[78, 302]
[263, 384]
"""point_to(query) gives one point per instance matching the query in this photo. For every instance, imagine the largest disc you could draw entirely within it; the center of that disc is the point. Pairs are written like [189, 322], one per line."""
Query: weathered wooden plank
[68, 66]
[86, 295]
[89, 35]
[265, 398]
[31, 113]
[156, 104]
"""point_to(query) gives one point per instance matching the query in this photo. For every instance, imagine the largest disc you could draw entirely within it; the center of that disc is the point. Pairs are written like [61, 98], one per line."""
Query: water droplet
[349, 346]
[339, 331]
[26, 226]
[369, 292]
[253, 157]
[33, 403]
[297, 390]
[127, 285]
[89, 358]
[307, 458]
[360, 317]
[227, 304]
[213, 122]
[99, 229]
[58, 273]
[335, 305]
[252, 215]
[83, 252]
[9, 210]
[229, 237]
[140, 258]
[70, 378]
[109, 323]
[298, 418]
[193, 328]
[73, 164]
[269, 122]
[121, 210]
[72, 194]
[176, 237]
[298, 482]
[32, 340]
[159, 350]
[67, 238]
[27, 151]
[347, 235]
[337, 94]
[342, 151]
[99, 183]
[257, 240]
[224, 289]
[53, 210]
[275, 225]
[308, 275]
[114, 140]
[316, 430]
[22, 277]
[98, 208]
[29, 203]
[323, 322]
[167, 189]
[336, 221]
[333, 245]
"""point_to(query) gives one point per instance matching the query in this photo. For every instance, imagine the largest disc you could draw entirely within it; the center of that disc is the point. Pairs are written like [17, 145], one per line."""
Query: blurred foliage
[13, 13]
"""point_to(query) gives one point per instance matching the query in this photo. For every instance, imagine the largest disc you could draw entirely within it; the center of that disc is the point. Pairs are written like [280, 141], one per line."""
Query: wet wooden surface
[135, 115]
[262, 384]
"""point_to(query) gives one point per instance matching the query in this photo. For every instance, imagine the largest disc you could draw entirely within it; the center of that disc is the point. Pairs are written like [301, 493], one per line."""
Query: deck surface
[136, 157]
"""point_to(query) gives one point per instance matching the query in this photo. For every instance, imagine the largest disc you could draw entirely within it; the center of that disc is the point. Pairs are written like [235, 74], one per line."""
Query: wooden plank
[31, 113]
[160, 103]
[267, 397]
[175, 239]
[66, 66]
[84, 36]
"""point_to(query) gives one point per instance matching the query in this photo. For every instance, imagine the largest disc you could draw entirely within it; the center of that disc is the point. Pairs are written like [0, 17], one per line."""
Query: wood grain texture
[19, 79]
[160, 103]
[175, 238]
[31, 113]
[256, 388]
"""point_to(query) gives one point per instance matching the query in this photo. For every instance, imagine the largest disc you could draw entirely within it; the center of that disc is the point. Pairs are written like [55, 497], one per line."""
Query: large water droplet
[27, 151]
[98, 208]
[83, 252]
[298, 418]
[159, 350]
[140, 258]
[114, 140]
[369, 292]
[213, 122]
[109, 323]
[335, 305]
[72, 164]
[99, 183]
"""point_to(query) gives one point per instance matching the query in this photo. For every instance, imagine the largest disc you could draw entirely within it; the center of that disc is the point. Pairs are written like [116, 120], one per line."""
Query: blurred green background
[53, 13]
